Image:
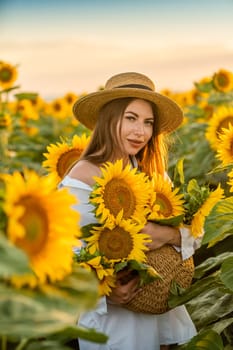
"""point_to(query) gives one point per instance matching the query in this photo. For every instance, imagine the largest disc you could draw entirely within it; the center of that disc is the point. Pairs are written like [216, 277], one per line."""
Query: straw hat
[129, 84]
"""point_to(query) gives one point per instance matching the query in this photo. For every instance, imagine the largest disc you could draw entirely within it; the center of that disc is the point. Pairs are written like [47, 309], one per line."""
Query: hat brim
[87, 108]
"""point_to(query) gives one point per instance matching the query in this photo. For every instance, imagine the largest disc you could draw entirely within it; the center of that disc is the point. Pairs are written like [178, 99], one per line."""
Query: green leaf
[209, 340]
[204, 87]
[210, 306]
[176, 289]
[219, 221]
[120, 266]
[87, 228]
[13, 260]
[26, 95]
[50, 308]
[221, 325]
[146, 273]
[195, 289]
[42, 344]
[175, 221]
[219, 98]
[9, 89]
[226, 274]
[73, 332]
[210, 264]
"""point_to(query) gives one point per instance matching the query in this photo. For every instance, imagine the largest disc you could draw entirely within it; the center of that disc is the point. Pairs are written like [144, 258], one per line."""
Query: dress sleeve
[188, 243]
[82, 192]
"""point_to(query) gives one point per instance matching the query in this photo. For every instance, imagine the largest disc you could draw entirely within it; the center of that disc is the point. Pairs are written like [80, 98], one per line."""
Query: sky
[75, 46]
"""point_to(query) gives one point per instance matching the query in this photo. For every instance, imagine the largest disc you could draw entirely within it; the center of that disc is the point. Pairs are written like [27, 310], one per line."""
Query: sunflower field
[42, 293]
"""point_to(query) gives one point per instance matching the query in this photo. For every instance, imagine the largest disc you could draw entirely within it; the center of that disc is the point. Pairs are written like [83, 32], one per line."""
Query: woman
[129, 121]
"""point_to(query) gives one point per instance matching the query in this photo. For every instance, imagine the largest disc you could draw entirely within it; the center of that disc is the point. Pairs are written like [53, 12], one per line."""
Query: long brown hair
[104, 144]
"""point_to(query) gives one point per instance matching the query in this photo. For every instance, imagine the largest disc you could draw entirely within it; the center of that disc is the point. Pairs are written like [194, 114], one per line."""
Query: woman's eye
[130, 117]
[149, 122]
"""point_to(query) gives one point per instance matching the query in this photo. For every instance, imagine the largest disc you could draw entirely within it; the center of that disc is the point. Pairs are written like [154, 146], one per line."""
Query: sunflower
[105, 274]
[5, 121]
[96, 263]
[38, 103]
[41, 222]
[197, 224]
[103, 270]
[208, 111]
[223, 80]
[70, 98]
[58, 108]
[8, 75]
[106, 284]
[26, 110]
[221, 119]
[225, 150]
[61, 156]
[120, 189]
[166, 202]
[123, 242]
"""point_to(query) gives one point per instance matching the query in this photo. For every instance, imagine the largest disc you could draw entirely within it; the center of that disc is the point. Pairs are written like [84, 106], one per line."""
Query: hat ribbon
[137, 86]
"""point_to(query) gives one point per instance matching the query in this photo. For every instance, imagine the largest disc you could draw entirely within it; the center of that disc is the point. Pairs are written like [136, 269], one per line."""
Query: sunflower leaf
[146, 273]
[205, 340]
[70, 332]
[173, 221]
[13, 260]
[219, 221]
[226, 273]
[204, 87]
[50, 307]
[86, 230]
[26, 95]
[120, 266]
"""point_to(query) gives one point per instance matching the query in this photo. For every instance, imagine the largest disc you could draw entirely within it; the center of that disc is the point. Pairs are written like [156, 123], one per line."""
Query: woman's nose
[139, 129]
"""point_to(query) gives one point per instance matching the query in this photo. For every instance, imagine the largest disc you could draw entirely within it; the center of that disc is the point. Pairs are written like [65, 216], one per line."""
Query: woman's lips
[135, 143]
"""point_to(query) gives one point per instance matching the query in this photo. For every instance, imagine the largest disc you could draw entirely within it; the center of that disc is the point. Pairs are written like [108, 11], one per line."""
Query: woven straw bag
[168, 263]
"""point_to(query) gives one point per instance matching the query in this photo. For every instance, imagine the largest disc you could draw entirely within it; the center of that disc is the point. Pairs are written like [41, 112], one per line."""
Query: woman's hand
[126, 287]
[161, 234]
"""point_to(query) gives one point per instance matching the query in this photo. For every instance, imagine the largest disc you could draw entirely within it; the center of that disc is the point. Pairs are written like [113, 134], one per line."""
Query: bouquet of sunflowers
[124, 200]
[120, 199]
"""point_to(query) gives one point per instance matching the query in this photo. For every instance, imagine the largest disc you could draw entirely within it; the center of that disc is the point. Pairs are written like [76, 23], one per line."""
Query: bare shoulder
[84, 171]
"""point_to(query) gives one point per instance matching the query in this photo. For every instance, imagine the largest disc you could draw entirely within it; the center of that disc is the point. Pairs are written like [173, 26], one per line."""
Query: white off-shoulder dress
[126, 329]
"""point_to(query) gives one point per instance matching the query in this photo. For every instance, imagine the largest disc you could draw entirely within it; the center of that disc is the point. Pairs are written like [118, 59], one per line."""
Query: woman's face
[136, 126]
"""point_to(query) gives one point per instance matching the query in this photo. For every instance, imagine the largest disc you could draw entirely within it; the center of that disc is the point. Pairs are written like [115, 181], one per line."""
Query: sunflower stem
[4, 342]
[22, 344]
[4, 144]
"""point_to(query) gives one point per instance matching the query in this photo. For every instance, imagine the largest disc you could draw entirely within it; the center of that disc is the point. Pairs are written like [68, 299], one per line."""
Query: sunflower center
[35, 223]
[118, 195]
[5, 75]
[57, 107]
[165, 205]
[225, 124]
[223, 80]
[66, 160]
[116, 243]
[70, 99]
[208, 111]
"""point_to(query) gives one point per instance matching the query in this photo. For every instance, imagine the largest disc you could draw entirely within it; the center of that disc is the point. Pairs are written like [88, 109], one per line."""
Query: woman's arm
[180, 238]
[161, 234]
